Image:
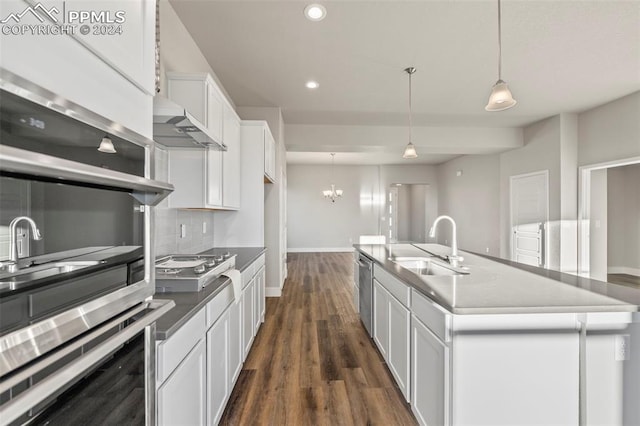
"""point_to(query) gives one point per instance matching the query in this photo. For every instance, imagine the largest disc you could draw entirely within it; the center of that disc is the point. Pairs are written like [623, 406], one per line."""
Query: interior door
[529, 195]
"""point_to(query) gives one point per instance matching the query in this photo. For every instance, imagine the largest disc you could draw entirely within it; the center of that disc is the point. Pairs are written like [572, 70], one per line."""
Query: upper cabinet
[109, 70]
[269, 157]
[205, 178]
[199, 95]
[231, 164]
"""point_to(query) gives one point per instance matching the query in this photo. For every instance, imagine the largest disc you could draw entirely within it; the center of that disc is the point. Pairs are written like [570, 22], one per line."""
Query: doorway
[529, 211]
[609, 222]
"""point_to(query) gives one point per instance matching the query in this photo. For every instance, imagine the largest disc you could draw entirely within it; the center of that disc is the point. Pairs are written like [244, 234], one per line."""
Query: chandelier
[332, 193]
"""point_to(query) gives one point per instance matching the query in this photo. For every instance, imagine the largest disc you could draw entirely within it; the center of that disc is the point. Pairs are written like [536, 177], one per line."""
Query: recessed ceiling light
[312, 84]
[315, 12]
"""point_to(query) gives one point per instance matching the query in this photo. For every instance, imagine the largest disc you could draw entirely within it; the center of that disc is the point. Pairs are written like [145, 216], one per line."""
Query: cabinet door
[381, 318]
[215, 111]
[429, 371]
[247, 319]
[188, 174]
[399, 345]
[258, 293]
[231, 160]
[235, 342]
[269, 156]
[181, 399]
[214, 177]
[263, 282]
[218, 388]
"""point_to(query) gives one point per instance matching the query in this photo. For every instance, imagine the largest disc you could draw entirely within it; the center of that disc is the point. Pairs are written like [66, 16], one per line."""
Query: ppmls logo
[39, 11]
[40, 20]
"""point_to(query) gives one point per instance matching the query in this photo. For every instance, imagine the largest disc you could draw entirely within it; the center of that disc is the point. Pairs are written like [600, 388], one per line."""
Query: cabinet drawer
[430, 314]
[173, 350]
[397, 288]
[219, 304]
[260, 262]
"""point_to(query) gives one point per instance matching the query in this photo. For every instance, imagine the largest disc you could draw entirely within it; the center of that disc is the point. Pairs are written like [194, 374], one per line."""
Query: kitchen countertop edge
[591, 285]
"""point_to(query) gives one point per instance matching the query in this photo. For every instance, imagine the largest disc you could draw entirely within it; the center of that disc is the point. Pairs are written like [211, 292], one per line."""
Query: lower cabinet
[248, 324]
[218, 383]
[181, 398]
[391, 333]
[399, 354]
[235, 341]
[381, 318]
[429, 375]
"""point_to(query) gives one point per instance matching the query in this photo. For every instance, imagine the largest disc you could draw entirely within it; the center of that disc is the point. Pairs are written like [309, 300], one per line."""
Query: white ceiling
[558, 56]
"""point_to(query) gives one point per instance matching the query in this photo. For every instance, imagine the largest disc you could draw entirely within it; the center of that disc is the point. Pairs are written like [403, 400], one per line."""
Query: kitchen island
[490, 343]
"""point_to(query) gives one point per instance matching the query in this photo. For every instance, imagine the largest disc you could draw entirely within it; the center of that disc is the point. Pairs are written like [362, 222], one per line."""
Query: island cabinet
[392, 325]
[498, 369]
[109, 71]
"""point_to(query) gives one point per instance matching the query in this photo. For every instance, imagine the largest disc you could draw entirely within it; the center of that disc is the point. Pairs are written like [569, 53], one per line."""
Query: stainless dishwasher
[365, 278]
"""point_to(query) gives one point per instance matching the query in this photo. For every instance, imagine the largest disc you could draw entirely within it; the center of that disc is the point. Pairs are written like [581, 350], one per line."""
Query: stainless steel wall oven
[76, 263]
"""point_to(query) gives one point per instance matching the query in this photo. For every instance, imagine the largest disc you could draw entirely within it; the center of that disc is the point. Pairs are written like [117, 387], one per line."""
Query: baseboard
[272, 292]
[623, 270]
[320, 250]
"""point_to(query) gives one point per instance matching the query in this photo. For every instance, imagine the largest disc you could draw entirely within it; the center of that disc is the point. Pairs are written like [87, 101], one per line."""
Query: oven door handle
[17, 406]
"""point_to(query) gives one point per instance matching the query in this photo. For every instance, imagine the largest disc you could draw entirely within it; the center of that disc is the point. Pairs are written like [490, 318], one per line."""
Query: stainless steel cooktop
[187, 273]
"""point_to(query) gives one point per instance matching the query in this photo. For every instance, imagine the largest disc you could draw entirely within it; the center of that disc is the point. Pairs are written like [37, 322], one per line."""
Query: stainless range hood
[173, 126]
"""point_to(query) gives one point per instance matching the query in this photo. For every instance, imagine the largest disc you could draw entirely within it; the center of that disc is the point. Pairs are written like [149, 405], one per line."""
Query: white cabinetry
[181, 398]
[235, 341]
[205, 178]
[269, 156]
[231, 165]
[218, 356]
[248, 325]
[111, 75]
[429, 374]
[392, 326]
[199, 95]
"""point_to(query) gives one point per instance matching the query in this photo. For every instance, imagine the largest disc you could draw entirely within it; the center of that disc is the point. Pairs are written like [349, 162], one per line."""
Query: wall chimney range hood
[173, 126]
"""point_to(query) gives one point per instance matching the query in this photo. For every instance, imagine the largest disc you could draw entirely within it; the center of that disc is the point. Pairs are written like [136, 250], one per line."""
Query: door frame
[584, 208]
[545, 249]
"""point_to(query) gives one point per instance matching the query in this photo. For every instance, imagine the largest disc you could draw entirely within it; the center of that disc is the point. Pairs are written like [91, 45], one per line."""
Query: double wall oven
[77, 321]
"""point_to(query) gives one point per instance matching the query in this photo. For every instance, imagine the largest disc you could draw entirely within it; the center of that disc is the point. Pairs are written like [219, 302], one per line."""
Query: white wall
[598, 226]
[623, 243]
[316, 223]
[473, 200]
[541, 152]
[610, 132]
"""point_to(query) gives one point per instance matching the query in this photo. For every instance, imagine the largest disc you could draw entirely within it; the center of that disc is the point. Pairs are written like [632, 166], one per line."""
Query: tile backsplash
[168, 227]
[198, 224]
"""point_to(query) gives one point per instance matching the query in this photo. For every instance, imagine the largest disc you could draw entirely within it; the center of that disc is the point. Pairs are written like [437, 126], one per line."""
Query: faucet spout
[13, 236]
[454, 259]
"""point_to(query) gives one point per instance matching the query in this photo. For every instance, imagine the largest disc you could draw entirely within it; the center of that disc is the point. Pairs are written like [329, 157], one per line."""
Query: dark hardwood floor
[312, 362]
[624, 279]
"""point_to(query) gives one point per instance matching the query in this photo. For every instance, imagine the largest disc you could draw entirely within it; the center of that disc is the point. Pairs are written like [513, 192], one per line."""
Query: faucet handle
[37, 235]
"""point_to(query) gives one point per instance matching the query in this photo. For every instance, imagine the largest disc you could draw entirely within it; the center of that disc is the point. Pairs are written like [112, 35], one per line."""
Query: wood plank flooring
[624, 279]
[312, 362]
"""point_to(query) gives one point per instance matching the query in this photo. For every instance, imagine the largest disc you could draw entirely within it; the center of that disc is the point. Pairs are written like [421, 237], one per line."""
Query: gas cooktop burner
[178, 273]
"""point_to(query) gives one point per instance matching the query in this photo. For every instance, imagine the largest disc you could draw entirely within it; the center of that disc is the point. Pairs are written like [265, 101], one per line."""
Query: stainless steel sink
[11, 279]
[428, 266]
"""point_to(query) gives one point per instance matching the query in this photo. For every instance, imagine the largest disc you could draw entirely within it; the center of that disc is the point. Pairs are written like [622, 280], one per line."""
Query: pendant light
[501, 97]
[410, 149]
[106, 145]
[332, 193]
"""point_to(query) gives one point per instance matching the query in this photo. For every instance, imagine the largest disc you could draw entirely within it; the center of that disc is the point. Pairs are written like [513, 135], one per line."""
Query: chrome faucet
[13, 239]
[454, 259]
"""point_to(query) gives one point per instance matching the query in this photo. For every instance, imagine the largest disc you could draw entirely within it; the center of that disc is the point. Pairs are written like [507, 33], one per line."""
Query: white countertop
[493, 287]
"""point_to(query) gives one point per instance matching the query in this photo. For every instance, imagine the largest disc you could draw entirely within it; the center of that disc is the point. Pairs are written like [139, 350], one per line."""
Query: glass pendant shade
[410, 151]
[500, 98]
[106, 145]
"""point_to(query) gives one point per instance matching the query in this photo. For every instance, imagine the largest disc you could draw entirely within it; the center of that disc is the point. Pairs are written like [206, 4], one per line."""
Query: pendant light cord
[410, 112]
[499, 43]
